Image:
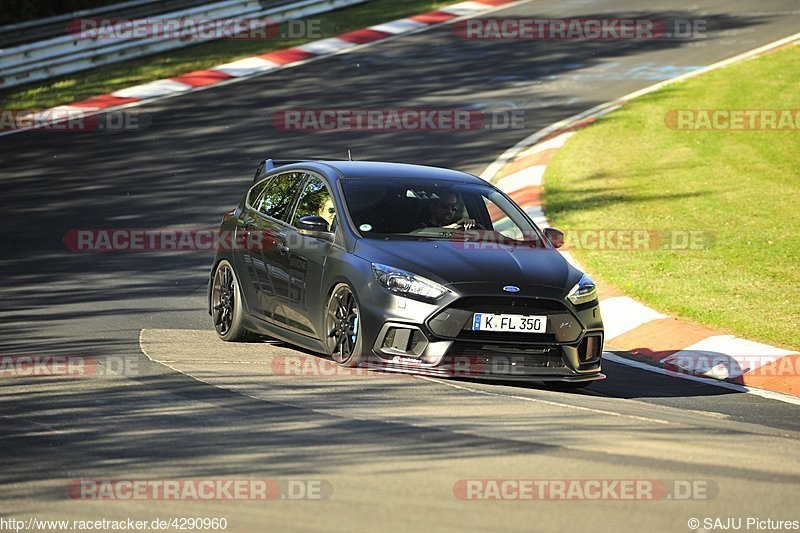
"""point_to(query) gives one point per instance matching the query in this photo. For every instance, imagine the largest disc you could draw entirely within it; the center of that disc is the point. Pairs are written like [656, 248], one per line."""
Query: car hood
[449, 262]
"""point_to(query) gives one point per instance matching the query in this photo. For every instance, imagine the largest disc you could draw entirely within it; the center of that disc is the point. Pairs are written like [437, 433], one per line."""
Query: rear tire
[342, 327]
[227, 310]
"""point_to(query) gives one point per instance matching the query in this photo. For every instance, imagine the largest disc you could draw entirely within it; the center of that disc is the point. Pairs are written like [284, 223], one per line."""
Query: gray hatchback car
[404, 268]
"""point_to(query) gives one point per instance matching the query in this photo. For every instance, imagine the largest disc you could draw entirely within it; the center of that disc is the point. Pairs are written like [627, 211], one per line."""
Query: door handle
[282, 248]
[245, 238]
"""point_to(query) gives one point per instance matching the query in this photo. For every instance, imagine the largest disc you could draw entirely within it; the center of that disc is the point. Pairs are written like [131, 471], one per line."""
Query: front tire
[342, 326]
[227, 310]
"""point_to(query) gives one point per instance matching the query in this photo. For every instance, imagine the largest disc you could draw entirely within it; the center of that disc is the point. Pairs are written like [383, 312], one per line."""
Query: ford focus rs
[403, 268]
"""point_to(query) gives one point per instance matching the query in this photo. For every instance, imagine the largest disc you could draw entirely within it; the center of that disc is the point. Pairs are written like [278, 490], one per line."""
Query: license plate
[509, 323]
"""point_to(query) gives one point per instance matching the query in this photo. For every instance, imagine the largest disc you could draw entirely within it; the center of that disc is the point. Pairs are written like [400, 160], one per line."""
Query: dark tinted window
[315, 200]
[276, 200]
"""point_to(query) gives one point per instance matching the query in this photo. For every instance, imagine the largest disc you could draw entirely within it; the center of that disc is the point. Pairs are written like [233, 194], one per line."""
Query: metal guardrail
[67, 54]
[56, 26]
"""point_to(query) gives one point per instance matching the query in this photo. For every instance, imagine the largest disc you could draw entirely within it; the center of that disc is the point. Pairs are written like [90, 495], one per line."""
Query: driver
[443, 213]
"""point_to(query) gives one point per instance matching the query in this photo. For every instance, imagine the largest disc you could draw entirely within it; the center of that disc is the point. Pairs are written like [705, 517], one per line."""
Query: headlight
[583, 292]
[406, 283]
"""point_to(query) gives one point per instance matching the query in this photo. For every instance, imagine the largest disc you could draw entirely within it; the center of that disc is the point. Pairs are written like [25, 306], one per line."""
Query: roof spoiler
[271, 164]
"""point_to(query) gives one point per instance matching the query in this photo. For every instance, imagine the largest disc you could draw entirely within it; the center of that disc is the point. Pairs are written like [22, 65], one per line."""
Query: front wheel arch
[356, 356]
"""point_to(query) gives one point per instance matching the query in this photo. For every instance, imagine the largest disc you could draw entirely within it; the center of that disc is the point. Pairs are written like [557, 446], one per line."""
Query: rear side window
[256, 192]
[276, 199]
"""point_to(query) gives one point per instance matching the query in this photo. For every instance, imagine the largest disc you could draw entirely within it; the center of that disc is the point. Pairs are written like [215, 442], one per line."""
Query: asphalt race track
[180, 404]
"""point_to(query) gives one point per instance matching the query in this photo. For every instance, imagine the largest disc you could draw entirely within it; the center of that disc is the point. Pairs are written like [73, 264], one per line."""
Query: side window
[255, 193]
[501, 223]
[276, 200]
[315, 200]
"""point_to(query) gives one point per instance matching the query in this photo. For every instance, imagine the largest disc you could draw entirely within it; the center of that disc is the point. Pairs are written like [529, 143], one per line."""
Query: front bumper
[437, 339]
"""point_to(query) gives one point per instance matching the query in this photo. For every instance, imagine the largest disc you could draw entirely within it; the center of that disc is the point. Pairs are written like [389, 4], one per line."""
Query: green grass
[629, 171]
[110, 78]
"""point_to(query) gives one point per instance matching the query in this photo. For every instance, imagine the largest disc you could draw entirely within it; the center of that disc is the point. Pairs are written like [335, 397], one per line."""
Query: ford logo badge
[511, 288]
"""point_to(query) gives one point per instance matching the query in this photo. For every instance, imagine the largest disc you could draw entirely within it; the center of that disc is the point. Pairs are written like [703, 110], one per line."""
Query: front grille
[511, 338]
[509, 304]
[455, 321]
[491, 359]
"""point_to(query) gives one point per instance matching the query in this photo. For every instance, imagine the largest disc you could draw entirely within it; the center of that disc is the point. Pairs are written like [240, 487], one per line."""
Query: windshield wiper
[405, 237]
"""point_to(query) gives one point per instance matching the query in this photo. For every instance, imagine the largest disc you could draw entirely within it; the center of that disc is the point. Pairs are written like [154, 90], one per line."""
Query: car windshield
[388, 208]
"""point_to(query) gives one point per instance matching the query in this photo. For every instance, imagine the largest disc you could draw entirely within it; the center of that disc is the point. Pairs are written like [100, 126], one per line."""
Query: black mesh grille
[492, 359]
[506, 304]
[512, 338]
[455, 320]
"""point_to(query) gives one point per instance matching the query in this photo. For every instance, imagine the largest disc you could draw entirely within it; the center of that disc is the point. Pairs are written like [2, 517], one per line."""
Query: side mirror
[555, 236]
[312, 223]
[314, 226]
